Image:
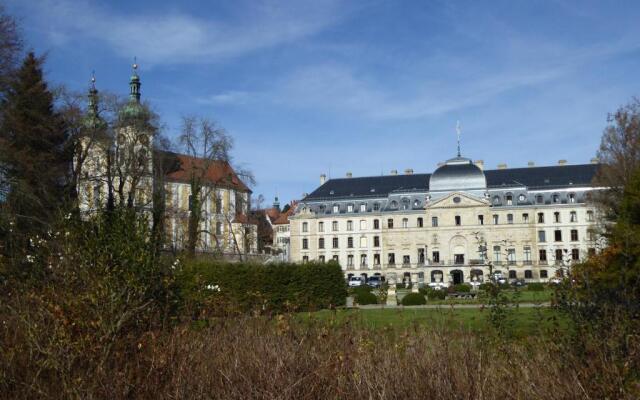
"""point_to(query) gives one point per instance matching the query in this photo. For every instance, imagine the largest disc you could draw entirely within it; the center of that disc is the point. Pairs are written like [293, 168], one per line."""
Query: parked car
[374, 281]
[355, 281]
[436, 285]
[555, 281]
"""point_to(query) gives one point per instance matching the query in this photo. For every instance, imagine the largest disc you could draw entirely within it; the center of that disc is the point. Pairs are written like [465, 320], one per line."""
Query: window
[496, 254]
[509, 200]
[363, 260]
[525, 218]
[456, 199]
[363, 242]
[434, 221]
[575, 254]
[522, 198]
[363, 207]
[458, 259]
[590, 216]
[305, 227]
[591, 235]
[376, 241]
[511, 256]
[334, 226]
[376, 206]
[305, 244]
[349, 207]
[558, 256]
[555, 198]
[305, 259]
[420, 256]
[544, 274]
[435, 256]
[218, 206]
[218, 228]
[541, 218]
[376, 224]
[542, 256]
[350, 260]
[321, 259]
[363, 225]
[572, 198]
[528, 274]
[376, 259]
[320, 226]
[573, 216]
[349, 225]
[481, 219]
[556, 217]
[458, 220]
[542, 236]
[509, 218]
[392, 258]
[405, 204]
[406, 260]
[574, 235]
[420, 222]
[190, 202]
[336, 259]
[557, 235]
[512, 274]
[495, 219]
[405, 223]
[496, 200]
[336, 209]
[350, 242]
[539, 199]
[393, 204]
[527, 255]
[390, 223]
[321, 243]
[334, 243]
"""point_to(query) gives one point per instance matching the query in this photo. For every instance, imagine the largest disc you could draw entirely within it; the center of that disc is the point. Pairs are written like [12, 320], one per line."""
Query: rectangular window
[363, 242]
[559, 257]
[363, 260]
[511, 256]
[376, 241]
[363, 207]
[336, 259]
[305, 227]
[575, 254]
[542, 236]
[541, 218]
[420, 222]
[544, 274]
[376, 206]
[218, 206]
[350, 208]
[458, 220]
[320, 226]
[574, 235]
[376, 259]
[556, 217]
[495, 219]
[334, 242]
[480, 219]
[458, 259]
[392, 258]
[509, 218]
[376, 224]
[509, 200]
[434, 221]
[350, 260]
[496, 254]
[350, 242]
[590, 216]
[321, 243]
[572, 198]
[527, 255]
[390, 223]
[405, 222]
[336, 209]
[363, 225]
[542, 256]
[349, 225]
[573, 216]
[334, 226]
[557, 235]
[305, 259]
[435, 257]
[321, 259]
[420, 256]
[406, 260]
[305, 244]
[525, 218]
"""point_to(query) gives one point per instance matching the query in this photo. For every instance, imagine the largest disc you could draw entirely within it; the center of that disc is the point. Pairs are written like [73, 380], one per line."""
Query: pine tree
[33, 151]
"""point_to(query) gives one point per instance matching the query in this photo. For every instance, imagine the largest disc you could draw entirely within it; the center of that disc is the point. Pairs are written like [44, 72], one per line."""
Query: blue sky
[311, 87]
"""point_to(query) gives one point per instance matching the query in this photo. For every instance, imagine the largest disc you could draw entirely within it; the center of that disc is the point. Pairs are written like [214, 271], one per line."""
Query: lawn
[520, 296]
[526, 321]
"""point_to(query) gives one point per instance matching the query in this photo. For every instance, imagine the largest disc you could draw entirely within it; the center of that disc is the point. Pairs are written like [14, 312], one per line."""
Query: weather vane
[458, 132]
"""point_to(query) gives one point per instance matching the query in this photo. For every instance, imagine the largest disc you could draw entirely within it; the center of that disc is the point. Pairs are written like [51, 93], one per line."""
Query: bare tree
[10, 49]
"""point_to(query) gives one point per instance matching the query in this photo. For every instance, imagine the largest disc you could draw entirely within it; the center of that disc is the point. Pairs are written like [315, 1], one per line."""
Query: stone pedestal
[414, 283]
[392, 300]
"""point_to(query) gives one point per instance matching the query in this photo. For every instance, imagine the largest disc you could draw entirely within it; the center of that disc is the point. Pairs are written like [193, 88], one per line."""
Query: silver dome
[457, 174]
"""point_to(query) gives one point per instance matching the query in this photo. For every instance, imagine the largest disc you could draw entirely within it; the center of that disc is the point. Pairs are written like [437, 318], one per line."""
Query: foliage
[264, 287]
[364, 298]
[413, 299]
[459, 288]
[433, 294]
[535, 287]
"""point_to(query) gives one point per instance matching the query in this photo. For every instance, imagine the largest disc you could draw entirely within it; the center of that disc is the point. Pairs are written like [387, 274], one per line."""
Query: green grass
[524, 296]
[526, 321]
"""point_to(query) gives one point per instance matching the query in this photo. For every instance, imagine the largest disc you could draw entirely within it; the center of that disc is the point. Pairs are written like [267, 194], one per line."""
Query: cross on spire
[458, 133]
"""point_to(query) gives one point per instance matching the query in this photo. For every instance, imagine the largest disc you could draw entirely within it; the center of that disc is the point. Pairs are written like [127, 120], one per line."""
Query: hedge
[364, 298]
[265, 287]
[413, 299]
[535, 287]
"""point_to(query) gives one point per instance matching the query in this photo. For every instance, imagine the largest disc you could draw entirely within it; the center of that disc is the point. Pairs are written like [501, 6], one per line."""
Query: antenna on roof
[458, 132]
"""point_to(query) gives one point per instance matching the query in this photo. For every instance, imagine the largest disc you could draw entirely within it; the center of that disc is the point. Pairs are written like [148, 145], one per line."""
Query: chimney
[323, 179]
[408, 171]
[394, 172]
[531, 164]
[479, 164]
[595, 160]
[349, 174]
[562, 162]
[502, 166]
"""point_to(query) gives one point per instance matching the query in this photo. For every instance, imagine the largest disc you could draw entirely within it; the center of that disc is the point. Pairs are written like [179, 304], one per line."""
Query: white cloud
[182, 38]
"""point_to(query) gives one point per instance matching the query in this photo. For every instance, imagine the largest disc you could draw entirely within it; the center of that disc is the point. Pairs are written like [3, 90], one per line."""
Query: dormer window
[376, 206]
[336, 208]
[363, 207]
[556, 198]
[350, 208]
[539, 199]
[394, 204]
[509, 200]
[522, 198]
[496, 200]
[416, 203]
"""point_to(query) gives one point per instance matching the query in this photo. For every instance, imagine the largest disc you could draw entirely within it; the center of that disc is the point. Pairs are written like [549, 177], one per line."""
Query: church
[124, 166]
[460, 224]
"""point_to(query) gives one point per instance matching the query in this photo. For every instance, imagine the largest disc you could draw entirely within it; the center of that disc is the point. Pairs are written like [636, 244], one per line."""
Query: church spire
[134, 84]
[458, 133]
[93, 96]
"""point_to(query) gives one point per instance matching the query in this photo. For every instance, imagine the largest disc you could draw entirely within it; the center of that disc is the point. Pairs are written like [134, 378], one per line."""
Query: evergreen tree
[33, 151]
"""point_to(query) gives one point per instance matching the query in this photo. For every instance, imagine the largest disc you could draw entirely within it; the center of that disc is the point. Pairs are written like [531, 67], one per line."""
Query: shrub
[436, 294]
[485, 286]
[364, 298]
[413, 299]
[459, 288]
[535, 287]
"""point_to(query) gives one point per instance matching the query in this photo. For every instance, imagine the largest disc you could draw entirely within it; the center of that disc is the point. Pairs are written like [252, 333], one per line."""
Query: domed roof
[457, 174]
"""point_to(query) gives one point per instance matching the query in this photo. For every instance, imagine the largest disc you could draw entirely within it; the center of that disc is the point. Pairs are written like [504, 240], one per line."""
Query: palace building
[125, 163]
[459, 224]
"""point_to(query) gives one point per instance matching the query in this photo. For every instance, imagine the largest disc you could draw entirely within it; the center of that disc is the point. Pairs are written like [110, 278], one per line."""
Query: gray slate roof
[534, 178]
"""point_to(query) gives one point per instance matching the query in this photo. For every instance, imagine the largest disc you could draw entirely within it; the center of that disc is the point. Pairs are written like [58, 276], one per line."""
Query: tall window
[557, 235]
[509, 218]
[334, 226]
[363, 260]
[392, 258]
[458, 220]
[305, 227]
[376, 241]
[376, 224]
[420, 256]
[321, 243]
[350, 208]
[218, 228]
[573, 216]
[542, 256]
[336, 259]
[525, 218]
[590, 216]
[320, 226]
[349, 225]
[363, 242]
[539, 199]
[574, 235]
[420, 222]
[509, 200]
[435, 256]
[321, 259]
[527, 255]
[541, 218]
[350, 260]
[481, 219]
[542, 236]
[496, 254]
[305, 244]
[544, 274]
[334, 243]
[575, 254]
[305, 259]
[556, 217]
[434, 221]
[390, 223]
[363, 224]
[376, 206]
[336, 209]
[406, 260]
[511, 256]
[405, 222]
[559, 257]
[350, 242]
[363, 207]
[555, 198]
[572, 198]
[495, 219]
[376, 259]
[528, 274]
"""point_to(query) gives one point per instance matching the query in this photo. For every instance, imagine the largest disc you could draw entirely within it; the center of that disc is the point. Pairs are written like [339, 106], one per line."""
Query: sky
[308, 87]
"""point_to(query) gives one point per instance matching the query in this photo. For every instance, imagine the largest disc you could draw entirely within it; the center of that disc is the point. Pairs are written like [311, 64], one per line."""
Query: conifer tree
[33, 150]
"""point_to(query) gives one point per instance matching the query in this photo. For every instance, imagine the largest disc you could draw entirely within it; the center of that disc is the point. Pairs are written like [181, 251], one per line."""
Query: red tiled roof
[272, 213]
[283, 219]
[243, 219]
[218, 172]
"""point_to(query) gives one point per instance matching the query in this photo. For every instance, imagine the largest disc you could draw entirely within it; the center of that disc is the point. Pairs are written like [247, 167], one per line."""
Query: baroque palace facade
[125, 160]
[459, 224]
